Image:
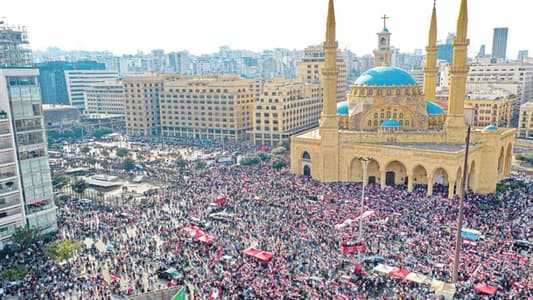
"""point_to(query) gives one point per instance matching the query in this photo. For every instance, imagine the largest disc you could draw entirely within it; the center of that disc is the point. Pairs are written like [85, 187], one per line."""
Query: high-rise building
[13, 46]
[311, 64]
[26, 195]
[482, 51]
[285, 107]
[445, 52]
[141, 103]
[105, 98]
[217, 107]
[79, 80]
[522, 55]
[525, 121]
[179, 62]
[499, 42]
[53, 82]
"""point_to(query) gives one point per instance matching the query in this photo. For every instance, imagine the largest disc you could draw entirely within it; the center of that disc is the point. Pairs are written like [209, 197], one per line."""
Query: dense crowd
[295, 219]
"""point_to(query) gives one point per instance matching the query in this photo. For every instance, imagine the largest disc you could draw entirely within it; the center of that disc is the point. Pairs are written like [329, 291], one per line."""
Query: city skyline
[279, 25]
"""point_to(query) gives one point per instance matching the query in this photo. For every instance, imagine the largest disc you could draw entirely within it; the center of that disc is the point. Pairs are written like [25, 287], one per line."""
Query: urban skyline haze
[202, 26]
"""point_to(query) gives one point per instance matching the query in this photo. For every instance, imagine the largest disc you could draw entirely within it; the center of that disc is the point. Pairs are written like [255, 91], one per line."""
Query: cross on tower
[385, 21]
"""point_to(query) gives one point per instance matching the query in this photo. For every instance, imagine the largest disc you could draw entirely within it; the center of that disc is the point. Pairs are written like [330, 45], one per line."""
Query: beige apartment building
[313, 61]
[214, 107]
[141, 103]
[525, 121]
[285, 107]
[491, 109]
[105, 98]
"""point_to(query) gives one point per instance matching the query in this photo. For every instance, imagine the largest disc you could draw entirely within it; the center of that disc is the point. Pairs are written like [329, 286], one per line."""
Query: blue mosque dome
[385, 76]
[390, 123]
[491, 128]
[342, 108]
[434, 109]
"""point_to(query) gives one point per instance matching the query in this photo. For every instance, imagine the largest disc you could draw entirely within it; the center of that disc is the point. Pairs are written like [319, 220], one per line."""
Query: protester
[295, 219]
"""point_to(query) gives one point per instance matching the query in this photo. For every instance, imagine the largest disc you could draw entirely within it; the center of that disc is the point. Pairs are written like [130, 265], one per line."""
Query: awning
[261, 255]
[381, 268]
[399, 273]
[419, 278]
[485, 289]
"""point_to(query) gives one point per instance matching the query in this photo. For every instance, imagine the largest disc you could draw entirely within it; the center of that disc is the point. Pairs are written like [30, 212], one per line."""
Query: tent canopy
[258, 254]
[399, 273]
[485, 289]
[419, 278]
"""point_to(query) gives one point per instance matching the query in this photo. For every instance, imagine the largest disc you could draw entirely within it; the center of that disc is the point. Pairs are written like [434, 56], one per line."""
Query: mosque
[390, 132]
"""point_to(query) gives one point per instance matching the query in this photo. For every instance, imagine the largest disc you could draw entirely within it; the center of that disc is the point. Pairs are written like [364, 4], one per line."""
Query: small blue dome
[342, 108]
[390, 123]
[385, 76]
[491, 128]
[434, 109]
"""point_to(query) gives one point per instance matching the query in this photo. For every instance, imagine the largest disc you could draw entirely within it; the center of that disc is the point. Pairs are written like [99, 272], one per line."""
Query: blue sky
[201, 26]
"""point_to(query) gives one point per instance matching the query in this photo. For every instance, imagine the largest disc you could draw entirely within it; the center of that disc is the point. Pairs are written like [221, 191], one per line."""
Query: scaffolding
[13, 46]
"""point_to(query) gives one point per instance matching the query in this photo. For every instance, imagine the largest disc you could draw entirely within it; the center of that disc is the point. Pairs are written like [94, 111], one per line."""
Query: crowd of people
[295, 218]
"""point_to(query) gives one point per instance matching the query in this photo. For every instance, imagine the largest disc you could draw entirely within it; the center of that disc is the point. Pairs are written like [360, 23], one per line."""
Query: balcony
[11, 215]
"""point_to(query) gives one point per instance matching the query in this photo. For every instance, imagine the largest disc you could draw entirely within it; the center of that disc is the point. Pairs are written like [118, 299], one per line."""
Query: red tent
[485, 288]
[352, 247]
[399, 273]
[258, 254]
[221, 200]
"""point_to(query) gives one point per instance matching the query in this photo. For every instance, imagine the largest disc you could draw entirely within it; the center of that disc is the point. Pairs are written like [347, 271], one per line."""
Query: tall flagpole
[460, 214]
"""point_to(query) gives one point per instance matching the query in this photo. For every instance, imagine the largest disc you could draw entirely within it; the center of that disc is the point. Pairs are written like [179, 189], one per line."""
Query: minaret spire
[430, 69]
[330, 74]
[458, 73]
[331, 26]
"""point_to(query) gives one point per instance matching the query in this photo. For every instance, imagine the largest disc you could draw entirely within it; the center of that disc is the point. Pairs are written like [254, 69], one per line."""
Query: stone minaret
[455, 120]
[430, 70]
[330, 74]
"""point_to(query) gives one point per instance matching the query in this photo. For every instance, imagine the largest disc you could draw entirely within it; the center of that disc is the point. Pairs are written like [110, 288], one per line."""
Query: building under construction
[13, 46]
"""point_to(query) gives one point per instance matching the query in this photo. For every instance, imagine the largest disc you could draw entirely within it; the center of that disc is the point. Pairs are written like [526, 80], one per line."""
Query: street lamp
[364, 161]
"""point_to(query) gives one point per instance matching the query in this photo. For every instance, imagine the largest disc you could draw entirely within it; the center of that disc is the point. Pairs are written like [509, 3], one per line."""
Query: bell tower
[383, 53]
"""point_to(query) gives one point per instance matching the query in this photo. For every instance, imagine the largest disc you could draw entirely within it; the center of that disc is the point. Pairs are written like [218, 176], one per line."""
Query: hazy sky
[201, 26]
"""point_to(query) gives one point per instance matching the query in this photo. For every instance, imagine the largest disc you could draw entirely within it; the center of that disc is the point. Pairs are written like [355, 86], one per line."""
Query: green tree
[79, 186]
[25, 236]
[279, 150]
[250, 159]
[101, 131]
[62, 250]
[122, 152]
[279, 163]
[264, 156]
[17, 272]
[200, 164]
[128, 165]
[78, 131]
[85, 149]
[181, 163]
[59, 180]
[104, 153]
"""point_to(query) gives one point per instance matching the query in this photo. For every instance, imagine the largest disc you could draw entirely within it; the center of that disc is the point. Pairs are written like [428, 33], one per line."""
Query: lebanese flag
[215, 293]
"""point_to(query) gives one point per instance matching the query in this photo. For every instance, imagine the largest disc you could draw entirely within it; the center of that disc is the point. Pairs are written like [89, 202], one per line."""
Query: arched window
[389, 92]
[394, 115]
[369, 122]
[407, 92]
[382, 115]
[376, 115]
[406, 122]
[401, 115]
[370, 92]
[398, 92]
[375, 122]
[379, 92]
[306, 156]
[388, 115]
[307, 171]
